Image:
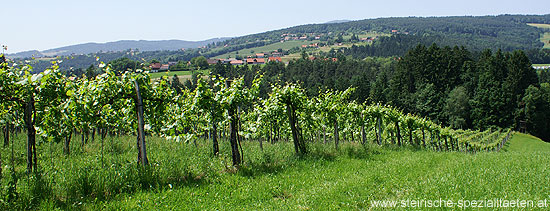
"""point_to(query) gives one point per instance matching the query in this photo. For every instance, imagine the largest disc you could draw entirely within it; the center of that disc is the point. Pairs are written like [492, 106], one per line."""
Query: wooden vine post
[142, 152]
[233, 132]
[31, 135]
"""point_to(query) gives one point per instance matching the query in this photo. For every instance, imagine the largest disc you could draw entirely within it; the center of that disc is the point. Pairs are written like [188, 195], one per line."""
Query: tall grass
[187, 176]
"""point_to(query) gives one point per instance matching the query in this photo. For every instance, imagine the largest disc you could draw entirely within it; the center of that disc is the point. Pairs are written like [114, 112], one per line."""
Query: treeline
[539, 56]
[400, 44]
[395, 45]
[315, 75]
[448, 85]
[81, 62]
[236, 48]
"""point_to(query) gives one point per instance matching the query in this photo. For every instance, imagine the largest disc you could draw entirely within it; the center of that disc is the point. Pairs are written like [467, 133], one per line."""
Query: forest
[490, 87]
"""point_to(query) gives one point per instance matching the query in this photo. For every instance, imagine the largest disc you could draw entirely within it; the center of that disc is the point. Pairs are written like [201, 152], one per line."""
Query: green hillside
[507, 32]
[544, 37]
[525, 143]
[285, 46]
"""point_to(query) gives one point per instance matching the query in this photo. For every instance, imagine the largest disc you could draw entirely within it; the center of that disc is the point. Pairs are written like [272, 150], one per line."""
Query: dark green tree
[457, 108]
[124, 64]
[536, 109]
[200, 62]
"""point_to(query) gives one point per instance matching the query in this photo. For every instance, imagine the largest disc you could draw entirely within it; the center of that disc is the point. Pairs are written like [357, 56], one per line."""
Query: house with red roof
[164, 67]
[236, 62]
[255, 61]
[274, 59]
[155, 66]
[212, 61]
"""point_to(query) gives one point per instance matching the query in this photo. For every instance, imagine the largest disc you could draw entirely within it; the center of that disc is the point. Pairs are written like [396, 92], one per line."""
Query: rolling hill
[142, 45]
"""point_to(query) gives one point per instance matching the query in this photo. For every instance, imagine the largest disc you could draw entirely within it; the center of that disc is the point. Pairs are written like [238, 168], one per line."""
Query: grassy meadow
[182, 75]
[540, 25]
[545, 37]
[187, 176]
[287, 45]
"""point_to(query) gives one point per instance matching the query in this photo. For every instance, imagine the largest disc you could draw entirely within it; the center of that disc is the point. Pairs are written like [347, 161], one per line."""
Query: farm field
[295, 43]
[367, 34]
[540, 25]
[545, 37]
[266, 49]
[182, 75]
[169, 74]
[314, 51]
[184, 175]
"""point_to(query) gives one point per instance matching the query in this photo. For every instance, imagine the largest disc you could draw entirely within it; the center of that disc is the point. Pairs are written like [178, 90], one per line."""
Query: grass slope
[545, 37]
[287, 45]
[526, 143]
[540, 25]
[185, 176]
[351, 178]
[182, 75]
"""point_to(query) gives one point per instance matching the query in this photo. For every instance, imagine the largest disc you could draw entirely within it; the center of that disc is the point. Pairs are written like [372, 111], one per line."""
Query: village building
[236, 62]
[164, 67]
[228, 61]
[212, 61]
[367, 39]
[255, 61]
[274, 59]
[155, 66]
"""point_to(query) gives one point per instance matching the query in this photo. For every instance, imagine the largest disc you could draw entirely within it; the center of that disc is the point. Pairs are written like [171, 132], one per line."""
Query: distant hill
[142, 45]
[506, 32]
[338, 21]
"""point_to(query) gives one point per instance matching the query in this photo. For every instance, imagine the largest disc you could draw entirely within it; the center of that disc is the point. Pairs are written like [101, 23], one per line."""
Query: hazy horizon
[38, 25]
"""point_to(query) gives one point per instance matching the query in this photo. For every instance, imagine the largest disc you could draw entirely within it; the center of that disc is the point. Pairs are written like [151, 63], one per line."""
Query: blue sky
[42, 25]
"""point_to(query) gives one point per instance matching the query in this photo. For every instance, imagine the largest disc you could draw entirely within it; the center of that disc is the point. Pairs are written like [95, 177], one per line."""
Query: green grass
[266, 49]
[540, 25]
[527, 143]
[539, 65]
[545, 38]
[169, 74]
[185, 176]
[291, 44]
[365, 35]
[180, 74]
